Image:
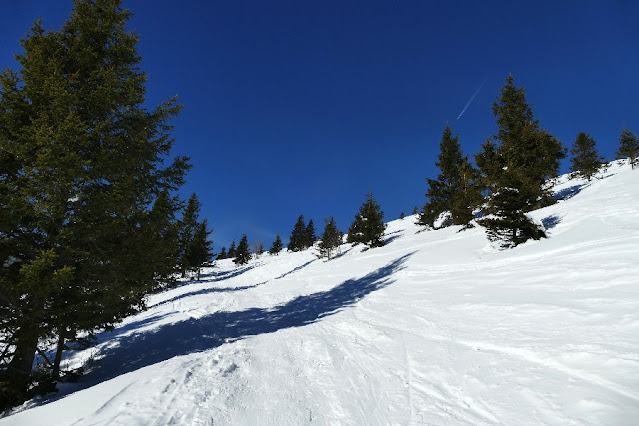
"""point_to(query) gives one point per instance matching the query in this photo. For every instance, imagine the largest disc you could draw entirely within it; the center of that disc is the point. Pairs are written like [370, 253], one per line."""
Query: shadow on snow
[138, 350]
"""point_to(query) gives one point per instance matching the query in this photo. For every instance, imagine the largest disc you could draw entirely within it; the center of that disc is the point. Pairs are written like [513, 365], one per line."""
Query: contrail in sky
[471, 100]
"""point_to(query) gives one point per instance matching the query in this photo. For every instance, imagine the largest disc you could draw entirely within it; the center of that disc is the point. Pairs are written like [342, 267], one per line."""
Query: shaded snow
[436, 327]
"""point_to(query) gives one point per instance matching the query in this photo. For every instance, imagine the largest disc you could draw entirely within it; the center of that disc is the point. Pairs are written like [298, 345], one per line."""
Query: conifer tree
[456, 190]
[188, 227]
[277, 246]
[516, 170]
[331, 239]
[298, 235]
[222, 254]
[309, 235]
[368, 226]
[232, 251]
[629, 147]
[242, 254]
[526, 153]
[586, 160]
[82, 161]
[198, 252]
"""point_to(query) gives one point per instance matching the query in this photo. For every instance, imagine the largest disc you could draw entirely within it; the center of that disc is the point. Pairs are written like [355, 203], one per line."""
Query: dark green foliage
[222, 254]
[331, 239]
[368, 226]
[456, 190]
[585, 160]
[297, 241]
[309, 235]
[198, 252]
[525, 150]
[415, 210]
[516, 169]
[628, 147]
[188, 227]
[85, 173]
[508, 224]
[402, 216]
[242, 254]
[232, 252]
[277, 246]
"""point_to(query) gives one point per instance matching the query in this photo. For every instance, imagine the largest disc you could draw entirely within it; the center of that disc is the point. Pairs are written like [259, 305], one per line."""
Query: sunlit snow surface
[436, 327]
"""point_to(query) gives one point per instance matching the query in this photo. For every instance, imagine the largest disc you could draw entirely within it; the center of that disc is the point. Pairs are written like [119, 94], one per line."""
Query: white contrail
[471, 100]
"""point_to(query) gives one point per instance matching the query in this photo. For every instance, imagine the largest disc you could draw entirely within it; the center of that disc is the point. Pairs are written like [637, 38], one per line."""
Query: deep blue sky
[299, 107]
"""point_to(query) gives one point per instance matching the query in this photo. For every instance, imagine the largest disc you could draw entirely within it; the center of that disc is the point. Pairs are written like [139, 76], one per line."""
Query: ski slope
[436, 327]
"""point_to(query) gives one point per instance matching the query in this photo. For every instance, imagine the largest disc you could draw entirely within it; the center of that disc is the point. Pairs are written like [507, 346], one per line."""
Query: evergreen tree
[401, 216]
[586, 160]
[415, 210]
[526, 153]
[222, 254]
[629, 147]
[188, 227]
[198, 252]
[309, 235]
[276, 248]
[331, 239]
[516, 169]
[368, 226]
[298, 235]
[242, 254]
[82, 161]
[456, 189]
[232, 251]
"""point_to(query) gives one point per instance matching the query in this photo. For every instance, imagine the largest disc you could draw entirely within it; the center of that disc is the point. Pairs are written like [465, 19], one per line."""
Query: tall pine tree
[222, 254]
[456, 190]
[232, 251]
[298, 235]
[516, 169]
[331, 239]
[629, 147]
[82, 162]
[188, 227]
[198, 252]
[276, 248]
[309, 235]
[242, 254]
[585, 159]
[368, 226]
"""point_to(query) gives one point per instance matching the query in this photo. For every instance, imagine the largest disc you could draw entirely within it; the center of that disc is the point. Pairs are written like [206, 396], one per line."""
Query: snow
[436, 327]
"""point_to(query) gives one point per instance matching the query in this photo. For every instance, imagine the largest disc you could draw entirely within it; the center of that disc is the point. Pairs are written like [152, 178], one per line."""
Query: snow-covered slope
[434, 328]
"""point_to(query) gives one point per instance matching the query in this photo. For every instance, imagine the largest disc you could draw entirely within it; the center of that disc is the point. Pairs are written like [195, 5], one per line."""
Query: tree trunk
[58, 355]
[18, 373]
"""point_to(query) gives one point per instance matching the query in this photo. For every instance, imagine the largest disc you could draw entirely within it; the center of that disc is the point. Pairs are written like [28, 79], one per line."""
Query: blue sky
[299, 107]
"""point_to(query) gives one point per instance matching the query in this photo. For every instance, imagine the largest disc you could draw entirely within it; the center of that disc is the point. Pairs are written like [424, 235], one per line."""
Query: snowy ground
[434, 328]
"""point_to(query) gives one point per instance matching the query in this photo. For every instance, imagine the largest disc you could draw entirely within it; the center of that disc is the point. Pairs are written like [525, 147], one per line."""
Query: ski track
[448, 330]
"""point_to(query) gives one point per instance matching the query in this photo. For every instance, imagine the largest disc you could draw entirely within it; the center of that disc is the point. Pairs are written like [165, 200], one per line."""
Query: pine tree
[368, 226]
[309, 235]
[232, 251]
[188, 227]
[82, 163]
[331, 239]
[586, 160]
[242, 254]
[276, 248]
[298, 235]
[525, 150]
[456, 190]
[629, 147]
[222, 254]
[401, 216]
[516, 169]
[198, 252]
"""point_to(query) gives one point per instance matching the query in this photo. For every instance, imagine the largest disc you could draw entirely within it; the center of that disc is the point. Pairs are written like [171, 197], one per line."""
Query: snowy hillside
[434, 328]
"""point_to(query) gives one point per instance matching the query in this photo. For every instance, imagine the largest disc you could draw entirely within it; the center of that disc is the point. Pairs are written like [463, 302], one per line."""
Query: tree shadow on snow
[569, 192]
[551, 221]
[137, 350]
